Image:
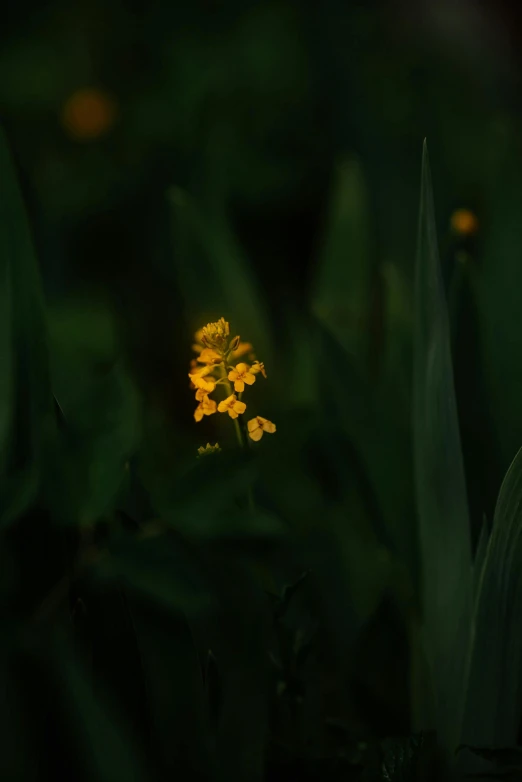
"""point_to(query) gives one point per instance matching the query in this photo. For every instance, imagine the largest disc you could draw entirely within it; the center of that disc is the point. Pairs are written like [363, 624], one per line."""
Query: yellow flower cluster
[216, 365]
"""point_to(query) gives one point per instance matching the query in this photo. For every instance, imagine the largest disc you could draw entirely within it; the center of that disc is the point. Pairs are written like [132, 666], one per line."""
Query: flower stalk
[218, 353]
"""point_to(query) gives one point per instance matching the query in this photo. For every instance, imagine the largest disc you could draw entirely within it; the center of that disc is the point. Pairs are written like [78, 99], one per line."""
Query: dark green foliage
[444, 534]
[340, 601]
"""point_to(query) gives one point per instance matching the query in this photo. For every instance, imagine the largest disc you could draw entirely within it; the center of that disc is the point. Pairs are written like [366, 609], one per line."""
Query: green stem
[265, 576]
[226, 383]
[239, 433]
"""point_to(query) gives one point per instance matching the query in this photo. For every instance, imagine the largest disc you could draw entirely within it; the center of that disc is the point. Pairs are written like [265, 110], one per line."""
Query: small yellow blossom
[258, 425]
[464, 222]
[258, 366]
[209, 356]
[208, 449]
[207, 384]
[206, 407]
[199, 380]
[241, 375]
[232, 406]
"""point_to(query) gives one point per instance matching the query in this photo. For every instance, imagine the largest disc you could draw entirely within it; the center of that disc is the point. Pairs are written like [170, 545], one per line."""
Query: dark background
[258, 161]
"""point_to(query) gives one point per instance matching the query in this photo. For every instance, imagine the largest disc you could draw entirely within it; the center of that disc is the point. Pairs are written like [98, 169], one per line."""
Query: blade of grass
[213, 273]
[494, 697]
[444, 535]
[341, 294]
[26, 402]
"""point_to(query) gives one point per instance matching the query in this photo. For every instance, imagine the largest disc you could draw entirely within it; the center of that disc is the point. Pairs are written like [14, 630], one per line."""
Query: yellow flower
[258, 366]
[199, 380]
[464, 222]
[242, 349]
[206, 407]
[258, 425]
[208, 449]
[241, 375]
[209, 356]
[232, 406]
[215, 335]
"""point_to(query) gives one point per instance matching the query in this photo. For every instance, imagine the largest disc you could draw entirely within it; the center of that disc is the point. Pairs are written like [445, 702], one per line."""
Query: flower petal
[240, 368]
[239, 386]
[207, 385]
[209, 356]
[268, 426]
[256, 434]
[232, 375]
[249, 378]
[256, 367]
[209, 406]
[239, 407]
[232, 413]
[223, 407]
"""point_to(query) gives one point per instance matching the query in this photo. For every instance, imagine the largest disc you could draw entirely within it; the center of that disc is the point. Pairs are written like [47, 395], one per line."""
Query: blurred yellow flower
[242, 349]
[206, 407]
[209, 356]
[258, 366]
[197, 347]
[258, 425]
[464, 222]
[208, 449]
[241, 375]
[88, 114]
[232, 406]
[200, 381]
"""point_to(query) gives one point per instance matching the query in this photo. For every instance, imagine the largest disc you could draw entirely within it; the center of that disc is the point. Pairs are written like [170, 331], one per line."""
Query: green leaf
[207, 499]
[26, 402]
[480, 557]
[174, 686]
[103, 431]
[494, 698]
[341, 293]
[105, 749]
[444, 535]
[82, 333]
[160, 566]
[213, 273]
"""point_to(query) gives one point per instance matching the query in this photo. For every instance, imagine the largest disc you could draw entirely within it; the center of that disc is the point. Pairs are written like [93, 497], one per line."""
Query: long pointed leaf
[444, 535]
[342, 288]
[494, 700]
[26, 403]
[212, 270]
